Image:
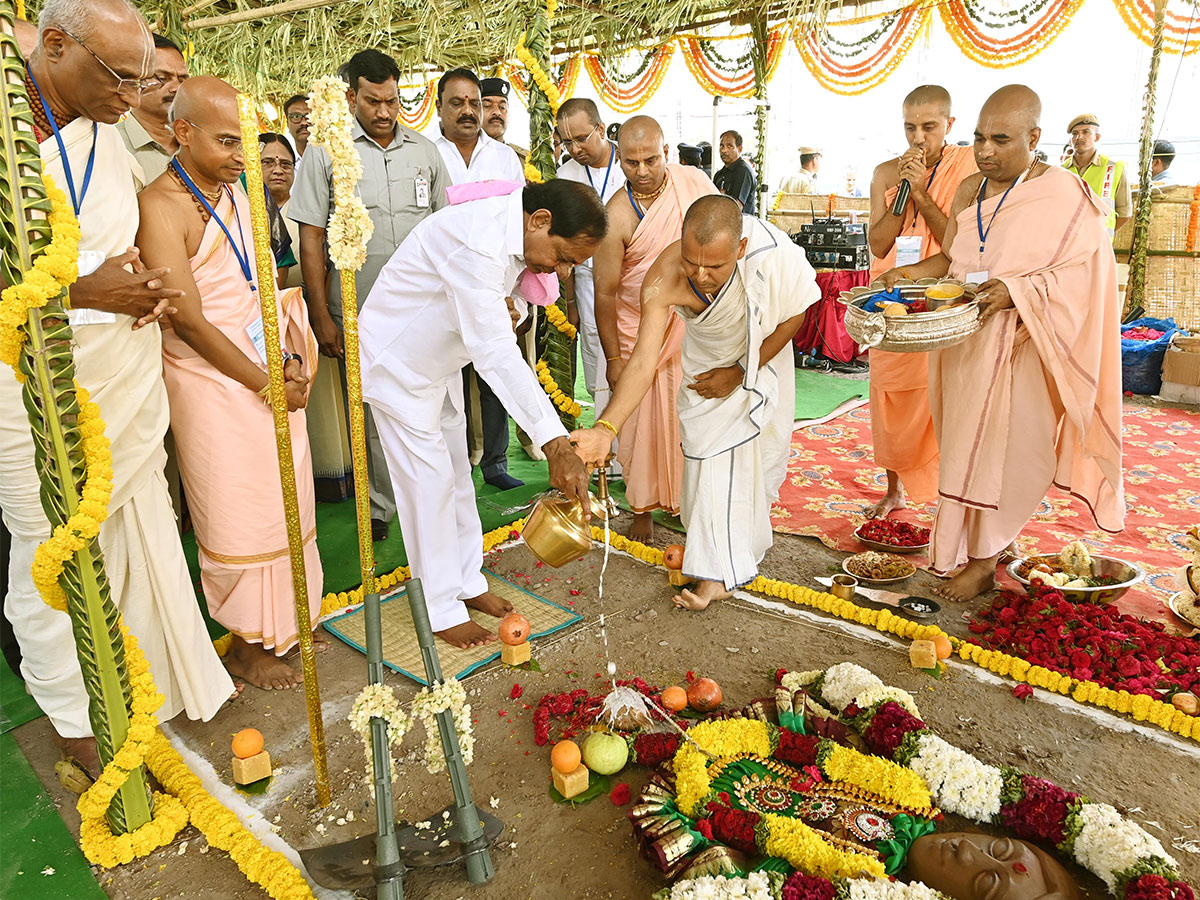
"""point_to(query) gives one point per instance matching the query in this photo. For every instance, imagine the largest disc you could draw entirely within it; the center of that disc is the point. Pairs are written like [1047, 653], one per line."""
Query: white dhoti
[736, 448]
[432, 477]
[147, 573]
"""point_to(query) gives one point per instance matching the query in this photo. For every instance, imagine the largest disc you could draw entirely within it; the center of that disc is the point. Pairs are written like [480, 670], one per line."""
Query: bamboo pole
[761, 35]
[260, 12]
[1141, 215]
[283, 435]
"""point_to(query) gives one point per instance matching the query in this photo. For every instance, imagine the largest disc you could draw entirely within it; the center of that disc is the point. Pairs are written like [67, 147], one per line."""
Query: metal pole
[715, 136]
[470, 829]
[389, 868]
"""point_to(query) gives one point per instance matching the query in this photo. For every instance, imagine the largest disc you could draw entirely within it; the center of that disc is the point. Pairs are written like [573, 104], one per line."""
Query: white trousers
[149, 583]
[435, 500]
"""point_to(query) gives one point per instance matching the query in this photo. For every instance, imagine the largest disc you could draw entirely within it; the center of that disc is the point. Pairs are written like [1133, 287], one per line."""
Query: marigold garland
[1193, 219]
[725, 81]
[1179, 32]
[627, 96]
[558, 319]
[565, 84]
[54, 270]
[561, 400]
[540, 78]
[1001, 53]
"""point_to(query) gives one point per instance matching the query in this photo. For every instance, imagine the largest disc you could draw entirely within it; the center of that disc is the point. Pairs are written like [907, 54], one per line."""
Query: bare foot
[238, 687]
[83, 752]
[892, 500]
[492, 604]
[466, 635]
[320, 642]
[705, 593]
[1009, 553]
[977, 577]
[260, 667]
[642, 529]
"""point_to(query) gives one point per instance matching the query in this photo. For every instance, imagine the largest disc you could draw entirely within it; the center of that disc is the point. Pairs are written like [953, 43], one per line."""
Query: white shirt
[439, 304]
[607, 180]
[490, 161]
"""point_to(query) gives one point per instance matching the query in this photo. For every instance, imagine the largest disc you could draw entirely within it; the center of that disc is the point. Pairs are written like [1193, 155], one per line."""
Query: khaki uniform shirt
[388, 189]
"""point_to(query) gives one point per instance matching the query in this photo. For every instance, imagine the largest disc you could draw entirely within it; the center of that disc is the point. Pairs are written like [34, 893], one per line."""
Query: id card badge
[908, 249]
[89, 262]
[258, 338]
[422, 184]
[976, 277]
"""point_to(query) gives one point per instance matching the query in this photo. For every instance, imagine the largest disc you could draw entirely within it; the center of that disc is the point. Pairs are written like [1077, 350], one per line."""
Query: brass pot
[557, 531]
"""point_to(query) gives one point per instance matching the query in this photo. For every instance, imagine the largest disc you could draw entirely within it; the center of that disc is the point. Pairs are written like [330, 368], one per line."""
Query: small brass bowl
[843, 586]
[556, 531]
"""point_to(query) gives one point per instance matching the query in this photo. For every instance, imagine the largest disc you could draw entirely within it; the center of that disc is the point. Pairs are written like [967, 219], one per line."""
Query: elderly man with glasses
[93, 62]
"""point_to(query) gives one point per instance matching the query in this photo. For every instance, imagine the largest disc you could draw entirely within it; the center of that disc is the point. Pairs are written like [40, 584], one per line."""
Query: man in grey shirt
[404, 180]
[146, 130]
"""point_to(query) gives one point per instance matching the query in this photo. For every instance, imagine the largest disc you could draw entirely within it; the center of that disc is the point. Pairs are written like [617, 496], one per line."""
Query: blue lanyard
[699, 295]
[243, 257]
[637, 209]
[928, 185]
[76, 200]
[983, 235]
[612, 154]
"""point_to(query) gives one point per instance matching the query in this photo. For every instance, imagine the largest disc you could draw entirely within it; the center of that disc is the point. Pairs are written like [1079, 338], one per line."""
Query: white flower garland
[844, 682]
[795, 681]
[350, 226]
[427, 704]
[379, 701]
[870, 889]
[1109, 844]
[960, 783]
[754, 886]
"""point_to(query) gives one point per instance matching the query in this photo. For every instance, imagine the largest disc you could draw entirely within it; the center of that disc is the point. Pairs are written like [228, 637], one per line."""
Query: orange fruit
[565, 757]
[673, 556]
[247, 743]
[674, 698]
[704, 695]
[514, 629]
[942, 645]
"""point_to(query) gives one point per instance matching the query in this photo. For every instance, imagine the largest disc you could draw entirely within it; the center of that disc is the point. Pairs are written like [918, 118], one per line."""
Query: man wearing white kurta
[742, 288]
[439, 304]
[593, 161]
[118, 358]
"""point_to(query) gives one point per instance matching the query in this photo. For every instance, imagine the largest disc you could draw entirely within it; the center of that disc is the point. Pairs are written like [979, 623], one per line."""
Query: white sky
[1096, 65]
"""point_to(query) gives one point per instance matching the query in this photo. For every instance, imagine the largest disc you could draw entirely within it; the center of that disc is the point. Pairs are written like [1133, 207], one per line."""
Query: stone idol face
[983, 867]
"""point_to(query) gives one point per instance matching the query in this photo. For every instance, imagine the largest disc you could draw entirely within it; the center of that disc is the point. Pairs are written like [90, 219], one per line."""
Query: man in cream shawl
[741, 288]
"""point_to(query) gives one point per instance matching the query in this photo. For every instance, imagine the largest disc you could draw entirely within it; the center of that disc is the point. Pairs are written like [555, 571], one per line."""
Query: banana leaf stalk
[552, 345]
[49, 398]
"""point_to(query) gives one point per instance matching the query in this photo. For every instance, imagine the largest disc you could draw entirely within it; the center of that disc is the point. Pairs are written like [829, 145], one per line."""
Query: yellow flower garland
[184, 798]
[556, 317]
[808, 852]
[563, 401]
[1140, 706]
[900, 785]
[544, 82]
[55, 269]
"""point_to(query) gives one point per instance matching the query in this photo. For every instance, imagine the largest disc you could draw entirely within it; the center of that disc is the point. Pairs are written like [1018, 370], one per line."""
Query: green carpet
[16, 706]
[41, 860]
[820, 393]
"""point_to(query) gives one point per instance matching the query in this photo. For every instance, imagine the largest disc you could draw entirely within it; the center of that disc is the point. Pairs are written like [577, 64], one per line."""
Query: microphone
[901, 198]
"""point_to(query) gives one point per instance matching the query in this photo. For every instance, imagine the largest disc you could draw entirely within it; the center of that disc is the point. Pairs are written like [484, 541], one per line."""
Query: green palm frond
[49, 398]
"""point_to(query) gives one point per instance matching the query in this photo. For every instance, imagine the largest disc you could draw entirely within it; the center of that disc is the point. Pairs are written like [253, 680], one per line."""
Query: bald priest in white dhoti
[741, 287]
[443, 301]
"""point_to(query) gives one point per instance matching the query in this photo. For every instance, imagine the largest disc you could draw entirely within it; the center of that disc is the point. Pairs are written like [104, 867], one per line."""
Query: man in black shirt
[736, 179]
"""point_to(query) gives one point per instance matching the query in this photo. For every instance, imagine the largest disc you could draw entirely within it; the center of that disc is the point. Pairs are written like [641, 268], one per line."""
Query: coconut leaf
[49, 398]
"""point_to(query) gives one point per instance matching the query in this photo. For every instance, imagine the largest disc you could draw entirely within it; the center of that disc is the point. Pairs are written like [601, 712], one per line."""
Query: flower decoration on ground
[350, 226]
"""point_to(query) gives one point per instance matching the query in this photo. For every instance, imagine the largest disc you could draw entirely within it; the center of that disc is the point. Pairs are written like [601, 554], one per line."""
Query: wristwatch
[288, 357]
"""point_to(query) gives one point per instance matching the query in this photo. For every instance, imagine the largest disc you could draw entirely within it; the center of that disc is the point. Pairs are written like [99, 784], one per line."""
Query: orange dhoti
[649, 448]
[225, 437]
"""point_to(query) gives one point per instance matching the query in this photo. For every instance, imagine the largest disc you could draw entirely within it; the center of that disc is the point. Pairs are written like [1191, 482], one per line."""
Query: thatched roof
[276, 46]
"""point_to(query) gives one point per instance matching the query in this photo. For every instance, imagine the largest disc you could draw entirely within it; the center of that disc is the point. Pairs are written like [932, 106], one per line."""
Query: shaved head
[1008, 133]
[1015, 101]
[641, 128]
[203, 97]
[933, 95]
[712, 218]
[204, 117]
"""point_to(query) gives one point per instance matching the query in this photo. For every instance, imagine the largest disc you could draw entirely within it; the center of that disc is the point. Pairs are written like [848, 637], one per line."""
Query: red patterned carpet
[832, 477]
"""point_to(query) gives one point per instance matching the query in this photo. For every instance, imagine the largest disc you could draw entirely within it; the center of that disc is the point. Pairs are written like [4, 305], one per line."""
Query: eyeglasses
[568, 144]
[128, 86]
[286, 164]
[233, 145]
[297, 117]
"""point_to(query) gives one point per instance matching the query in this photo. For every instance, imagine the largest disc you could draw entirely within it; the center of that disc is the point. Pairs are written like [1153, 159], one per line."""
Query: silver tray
[915, 332]
[888, 548]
